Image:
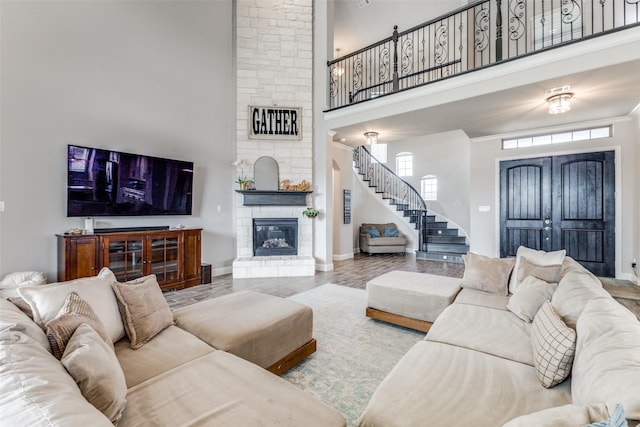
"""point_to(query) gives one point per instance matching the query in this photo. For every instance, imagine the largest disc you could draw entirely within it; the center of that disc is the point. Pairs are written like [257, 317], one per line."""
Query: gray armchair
[388, 239]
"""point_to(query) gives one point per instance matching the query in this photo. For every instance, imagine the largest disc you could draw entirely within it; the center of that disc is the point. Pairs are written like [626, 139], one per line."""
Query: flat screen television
[111, 183]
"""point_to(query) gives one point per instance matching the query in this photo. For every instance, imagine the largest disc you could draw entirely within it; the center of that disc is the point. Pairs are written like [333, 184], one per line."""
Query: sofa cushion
[607, 365]
[93, 365]
[73, 313]
[457, 387]
[541, 258]
[144, 309]
[482, 299]
[486, 274]
[13, 319]
[574, 291]
[159, 354]
[46, 300]
[554, 346]
[529, 296]
[548, 273]
[491, 331]
[562, 416]
[387, 241]
[35, 389]
[220, 389]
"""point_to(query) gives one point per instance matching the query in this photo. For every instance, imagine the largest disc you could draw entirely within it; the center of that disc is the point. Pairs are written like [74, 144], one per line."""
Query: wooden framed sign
[279, 123]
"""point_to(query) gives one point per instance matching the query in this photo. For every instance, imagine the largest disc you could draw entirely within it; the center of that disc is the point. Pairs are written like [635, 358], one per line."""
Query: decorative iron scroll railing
[478, 35]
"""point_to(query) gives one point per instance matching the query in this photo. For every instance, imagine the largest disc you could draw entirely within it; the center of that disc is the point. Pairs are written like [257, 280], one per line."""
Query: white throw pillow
[95, 368]
[13, 319]
[529, 297]
[11, 282]
[47, 300]
[541, 258]
[607, 364]
[554, 346]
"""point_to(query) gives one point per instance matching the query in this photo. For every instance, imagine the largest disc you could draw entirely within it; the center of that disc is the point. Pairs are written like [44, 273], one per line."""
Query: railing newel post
[499, 31]
[396, 82]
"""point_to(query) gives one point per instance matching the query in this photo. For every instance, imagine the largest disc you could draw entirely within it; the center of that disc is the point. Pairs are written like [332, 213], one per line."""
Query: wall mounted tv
[111, 183]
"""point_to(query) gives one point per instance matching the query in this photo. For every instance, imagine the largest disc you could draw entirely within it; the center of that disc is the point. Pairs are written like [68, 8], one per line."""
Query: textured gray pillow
[548, 273]
[487, 274]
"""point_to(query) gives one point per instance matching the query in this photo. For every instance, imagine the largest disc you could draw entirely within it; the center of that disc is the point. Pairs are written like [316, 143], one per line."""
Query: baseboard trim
[342, 257]
[324, 267]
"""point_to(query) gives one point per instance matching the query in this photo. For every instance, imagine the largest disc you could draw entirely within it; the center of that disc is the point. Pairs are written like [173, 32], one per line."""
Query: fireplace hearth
[275, 236]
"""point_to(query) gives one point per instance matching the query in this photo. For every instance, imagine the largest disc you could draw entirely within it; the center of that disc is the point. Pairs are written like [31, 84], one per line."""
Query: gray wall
[143, 77]
[486, 154]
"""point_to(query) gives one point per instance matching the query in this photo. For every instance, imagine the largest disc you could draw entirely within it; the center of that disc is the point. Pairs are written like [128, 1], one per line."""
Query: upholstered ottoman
[274, 333]
[408, 299]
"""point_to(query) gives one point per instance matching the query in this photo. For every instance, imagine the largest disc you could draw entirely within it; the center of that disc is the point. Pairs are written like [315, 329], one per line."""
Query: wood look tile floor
[356, 273]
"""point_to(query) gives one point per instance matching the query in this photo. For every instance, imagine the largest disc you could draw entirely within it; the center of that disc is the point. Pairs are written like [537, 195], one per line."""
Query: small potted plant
[310, 212]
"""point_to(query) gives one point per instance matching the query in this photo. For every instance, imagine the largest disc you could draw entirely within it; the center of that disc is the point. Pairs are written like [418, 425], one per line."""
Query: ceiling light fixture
[372, 137]
[559, 104]
[337, 70]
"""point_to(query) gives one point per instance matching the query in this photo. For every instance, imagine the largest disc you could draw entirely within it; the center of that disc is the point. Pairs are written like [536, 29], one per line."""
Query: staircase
[437, 241]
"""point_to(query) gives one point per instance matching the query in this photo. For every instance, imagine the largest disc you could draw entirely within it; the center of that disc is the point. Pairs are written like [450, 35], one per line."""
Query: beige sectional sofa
[481, 365]
[172, 378]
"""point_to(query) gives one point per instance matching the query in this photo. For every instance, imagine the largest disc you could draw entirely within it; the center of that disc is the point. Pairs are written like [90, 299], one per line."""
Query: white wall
[447, 156]
[486, 153]
[143, 77]
[636, 253]
[343, 243]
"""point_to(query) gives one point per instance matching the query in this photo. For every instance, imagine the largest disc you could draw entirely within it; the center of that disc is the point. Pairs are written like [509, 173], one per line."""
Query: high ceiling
[610, 90]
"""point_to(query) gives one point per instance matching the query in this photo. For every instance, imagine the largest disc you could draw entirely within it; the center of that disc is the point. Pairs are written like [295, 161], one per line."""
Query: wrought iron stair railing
[391, 187]
[473, 37]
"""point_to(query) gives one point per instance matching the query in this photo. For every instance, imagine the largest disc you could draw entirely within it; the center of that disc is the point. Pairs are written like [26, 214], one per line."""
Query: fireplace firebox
[275, 236]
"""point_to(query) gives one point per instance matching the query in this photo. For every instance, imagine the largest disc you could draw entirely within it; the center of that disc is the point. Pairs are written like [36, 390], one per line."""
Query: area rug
[354, 353]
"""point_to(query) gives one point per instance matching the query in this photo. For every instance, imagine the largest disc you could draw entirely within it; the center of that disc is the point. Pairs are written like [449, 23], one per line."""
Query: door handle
[547, 228]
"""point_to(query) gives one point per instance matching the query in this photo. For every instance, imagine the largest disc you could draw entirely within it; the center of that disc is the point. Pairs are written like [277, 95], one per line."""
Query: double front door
[561, 202]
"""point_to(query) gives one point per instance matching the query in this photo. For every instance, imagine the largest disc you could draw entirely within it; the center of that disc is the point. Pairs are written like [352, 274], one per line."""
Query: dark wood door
[561, 202]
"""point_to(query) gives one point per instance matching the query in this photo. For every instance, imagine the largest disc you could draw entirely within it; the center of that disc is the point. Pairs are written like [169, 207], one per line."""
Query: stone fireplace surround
[248, 266]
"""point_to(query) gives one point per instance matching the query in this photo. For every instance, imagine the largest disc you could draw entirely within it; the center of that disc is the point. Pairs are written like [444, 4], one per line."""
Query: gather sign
[280, 123]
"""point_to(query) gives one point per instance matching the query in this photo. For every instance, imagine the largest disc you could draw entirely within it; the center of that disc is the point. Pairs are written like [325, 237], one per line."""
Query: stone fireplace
[275, 236]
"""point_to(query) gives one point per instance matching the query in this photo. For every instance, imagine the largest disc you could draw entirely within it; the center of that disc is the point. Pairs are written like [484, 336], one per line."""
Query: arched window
[404, 164]
[429, 187]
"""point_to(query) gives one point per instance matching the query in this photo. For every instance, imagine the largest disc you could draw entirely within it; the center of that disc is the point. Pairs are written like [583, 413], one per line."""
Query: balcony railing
[478, 35]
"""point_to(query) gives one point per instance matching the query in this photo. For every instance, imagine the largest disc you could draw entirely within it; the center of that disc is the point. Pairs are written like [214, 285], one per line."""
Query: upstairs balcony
[483, 34]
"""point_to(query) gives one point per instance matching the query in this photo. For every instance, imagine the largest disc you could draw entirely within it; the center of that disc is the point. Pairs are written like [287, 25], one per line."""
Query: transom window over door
[404, 164]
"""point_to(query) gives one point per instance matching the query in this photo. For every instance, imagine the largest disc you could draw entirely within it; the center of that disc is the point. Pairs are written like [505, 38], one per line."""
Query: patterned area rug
[354, 353]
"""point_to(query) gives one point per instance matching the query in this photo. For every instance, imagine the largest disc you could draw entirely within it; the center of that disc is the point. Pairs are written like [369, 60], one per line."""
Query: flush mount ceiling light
[559, 99]
[372, 137]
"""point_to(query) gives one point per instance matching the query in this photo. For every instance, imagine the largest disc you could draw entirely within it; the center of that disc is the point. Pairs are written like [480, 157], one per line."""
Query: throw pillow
[144, 310]
[73, 313]
[617, 419]
[548, 273]
[607, 365]
[554, 346]
[390, 231]
[486, 274]
[46, 300]
[372, 231]
[537, 257]
[13, 319]
[529, 297]
[95, 368]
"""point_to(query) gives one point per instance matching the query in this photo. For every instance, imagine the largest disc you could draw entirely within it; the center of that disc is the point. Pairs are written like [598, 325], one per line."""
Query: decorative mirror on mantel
[266, 174]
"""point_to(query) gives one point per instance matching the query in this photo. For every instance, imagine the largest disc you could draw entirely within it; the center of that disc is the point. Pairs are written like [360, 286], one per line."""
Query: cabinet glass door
[164, 259]
[125, 259]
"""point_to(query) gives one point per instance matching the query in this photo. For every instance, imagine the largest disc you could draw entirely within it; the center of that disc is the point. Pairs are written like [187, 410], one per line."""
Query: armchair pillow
[372, 231]
[390, 231]
[487, 274]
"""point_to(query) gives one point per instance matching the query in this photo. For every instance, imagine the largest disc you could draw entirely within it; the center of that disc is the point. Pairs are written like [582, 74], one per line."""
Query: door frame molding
[617, 149]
